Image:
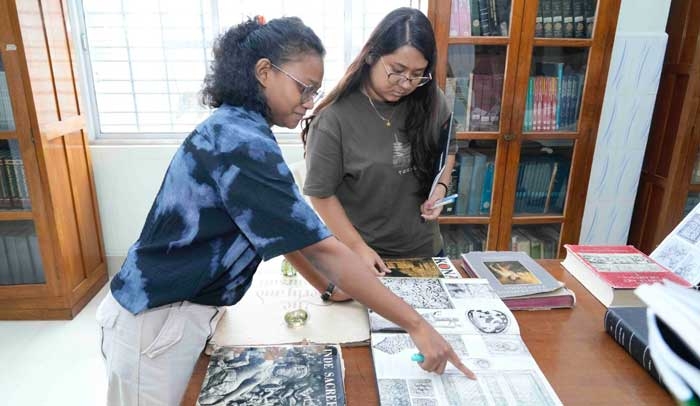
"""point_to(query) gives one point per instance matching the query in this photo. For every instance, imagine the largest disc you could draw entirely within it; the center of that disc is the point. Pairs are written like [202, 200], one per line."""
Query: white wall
[127, 177]
[630, 95]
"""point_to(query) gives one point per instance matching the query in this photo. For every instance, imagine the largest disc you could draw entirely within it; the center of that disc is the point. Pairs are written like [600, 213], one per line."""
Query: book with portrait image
[510, 273]
[612, 272]
[482, 331]
[435, 267]
[274, 375]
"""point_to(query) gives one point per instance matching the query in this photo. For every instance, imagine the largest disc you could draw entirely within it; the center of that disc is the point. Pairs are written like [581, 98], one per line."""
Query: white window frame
[283, 135]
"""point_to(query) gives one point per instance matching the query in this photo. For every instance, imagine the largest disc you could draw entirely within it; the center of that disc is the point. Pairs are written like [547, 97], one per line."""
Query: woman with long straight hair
[373, 142]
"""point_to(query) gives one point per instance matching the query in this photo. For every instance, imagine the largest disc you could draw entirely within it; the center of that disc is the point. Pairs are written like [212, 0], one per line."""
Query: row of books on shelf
[14, 193]
[476, 101]
[540, 188]
[565, 18]
[7, 121]
[553, 102]
[20, 259]
[479, 18]
[539, 242]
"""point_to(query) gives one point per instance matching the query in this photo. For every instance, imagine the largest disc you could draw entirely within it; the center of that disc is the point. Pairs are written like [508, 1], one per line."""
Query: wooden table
[584, 365]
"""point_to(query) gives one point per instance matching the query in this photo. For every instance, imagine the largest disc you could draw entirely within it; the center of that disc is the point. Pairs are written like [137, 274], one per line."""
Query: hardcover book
[285, 375]
[510, 273]
[483, 333]
[435, 267]
[611, 273]
[628, 327]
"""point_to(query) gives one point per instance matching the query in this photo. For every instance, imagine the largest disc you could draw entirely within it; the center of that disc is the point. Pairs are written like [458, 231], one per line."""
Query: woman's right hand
[436, 351]
[371, 258]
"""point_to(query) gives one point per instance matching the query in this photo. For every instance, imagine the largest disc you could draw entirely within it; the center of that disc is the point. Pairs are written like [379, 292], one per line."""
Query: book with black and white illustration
[680, 250]
[482, 331]
[274, 375]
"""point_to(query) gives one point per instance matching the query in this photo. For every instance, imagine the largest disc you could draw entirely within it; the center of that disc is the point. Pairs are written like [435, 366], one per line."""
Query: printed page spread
[483, 332]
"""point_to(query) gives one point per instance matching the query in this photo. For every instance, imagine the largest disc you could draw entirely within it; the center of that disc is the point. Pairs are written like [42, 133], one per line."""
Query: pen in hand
[445, 200]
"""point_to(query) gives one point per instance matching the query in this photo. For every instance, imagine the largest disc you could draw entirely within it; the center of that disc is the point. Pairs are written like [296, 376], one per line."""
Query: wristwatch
[326, 295]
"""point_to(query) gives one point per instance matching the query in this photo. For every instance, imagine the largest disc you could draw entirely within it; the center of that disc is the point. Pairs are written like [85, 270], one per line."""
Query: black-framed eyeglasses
[399, 78]
[308, 92]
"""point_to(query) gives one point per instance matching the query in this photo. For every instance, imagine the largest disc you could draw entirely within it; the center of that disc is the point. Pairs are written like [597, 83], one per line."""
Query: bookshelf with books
[527, 94]
[51, 253]
[669, 186]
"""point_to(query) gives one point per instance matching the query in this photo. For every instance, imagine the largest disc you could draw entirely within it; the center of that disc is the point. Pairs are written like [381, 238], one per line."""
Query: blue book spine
[487, 190]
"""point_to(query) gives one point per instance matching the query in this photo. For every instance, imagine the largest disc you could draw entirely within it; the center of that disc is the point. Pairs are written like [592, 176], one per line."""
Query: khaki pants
[149, 357]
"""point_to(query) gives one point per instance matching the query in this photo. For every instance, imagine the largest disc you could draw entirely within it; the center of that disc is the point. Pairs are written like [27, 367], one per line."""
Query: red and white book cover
[622, 266]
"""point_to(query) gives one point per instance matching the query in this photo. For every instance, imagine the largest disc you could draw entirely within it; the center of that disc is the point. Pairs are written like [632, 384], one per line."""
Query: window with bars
[145, 59]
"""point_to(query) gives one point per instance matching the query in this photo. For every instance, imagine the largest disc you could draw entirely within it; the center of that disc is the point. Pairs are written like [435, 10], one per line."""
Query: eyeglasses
[399, 78]
[308, 92]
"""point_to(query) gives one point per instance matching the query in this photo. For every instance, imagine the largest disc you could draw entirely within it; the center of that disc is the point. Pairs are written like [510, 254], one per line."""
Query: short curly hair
[231, 77]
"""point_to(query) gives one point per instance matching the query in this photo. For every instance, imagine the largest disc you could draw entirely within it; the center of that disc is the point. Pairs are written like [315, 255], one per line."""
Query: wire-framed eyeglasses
[399, 78]
[308, 92]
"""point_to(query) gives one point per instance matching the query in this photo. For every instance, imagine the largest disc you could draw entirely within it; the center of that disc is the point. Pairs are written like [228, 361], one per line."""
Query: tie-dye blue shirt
[228, 199]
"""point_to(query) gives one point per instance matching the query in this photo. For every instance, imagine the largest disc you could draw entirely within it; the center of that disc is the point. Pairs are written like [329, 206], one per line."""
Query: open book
[680, 250]
[258, 319]
[482, 331]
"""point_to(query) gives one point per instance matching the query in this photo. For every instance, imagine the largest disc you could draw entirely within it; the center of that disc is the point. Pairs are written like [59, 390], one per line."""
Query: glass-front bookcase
[51, 253]
[20, 257]
[525, 80]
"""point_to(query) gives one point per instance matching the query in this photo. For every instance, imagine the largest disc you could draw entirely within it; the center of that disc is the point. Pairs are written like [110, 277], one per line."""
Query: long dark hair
[231, 78]
[403, 26]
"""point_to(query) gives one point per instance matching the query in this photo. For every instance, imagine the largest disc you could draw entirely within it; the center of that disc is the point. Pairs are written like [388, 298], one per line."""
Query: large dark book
[539, 28]
[547, 17]
[485, 18]
[568, 14]
[579, 19]
[628, 327]
[280, 375]
[502, 16]
[557, 19]
[474, 15]
[589, 15]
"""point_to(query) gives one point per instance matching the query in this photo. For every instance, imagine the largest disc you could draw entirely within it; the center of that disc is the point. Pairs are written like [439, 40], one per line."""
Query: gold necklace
[387, 121]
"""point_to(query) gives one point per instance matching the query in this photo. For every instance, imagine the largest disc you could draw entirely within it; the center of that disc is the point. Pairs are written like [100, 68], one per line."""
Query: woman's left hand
[427, 211]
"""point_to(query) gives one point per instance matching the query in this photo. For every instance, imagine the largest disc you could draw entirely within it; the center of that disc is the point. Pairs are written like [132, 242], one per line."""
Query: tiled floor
[53, 362]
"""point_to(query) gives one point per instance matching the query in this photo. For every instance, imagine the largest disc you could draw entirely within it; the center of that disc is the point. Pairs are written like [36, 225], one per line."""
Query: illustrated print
[257, 376]
[424, 402]
[495, 389]
[421, 388]
[458, 290]
[479, 363]
[457, 344]
[440, 319]
[691, 229]
[379, 323]
[393, 392]
[505, 346]
[400, 154]
[527, 388]
[512, 273]
[461, 390]
[394, 344]
[419, 293]
[671, 255]
[689, 270]
[488, 321]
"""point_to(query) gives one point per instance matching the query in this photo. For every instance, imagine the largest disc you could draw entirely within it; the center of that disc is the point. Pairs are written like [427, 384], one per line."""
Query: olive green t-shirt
[351, 153]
